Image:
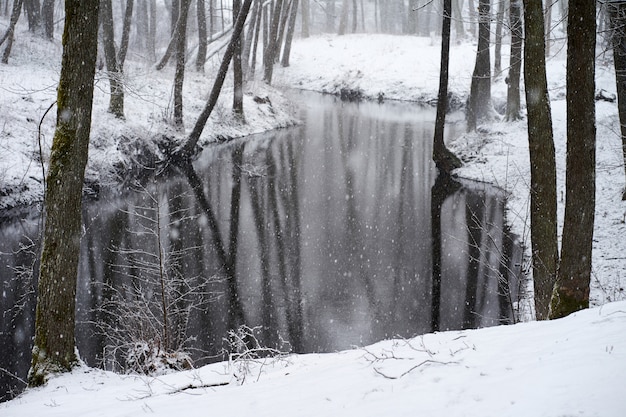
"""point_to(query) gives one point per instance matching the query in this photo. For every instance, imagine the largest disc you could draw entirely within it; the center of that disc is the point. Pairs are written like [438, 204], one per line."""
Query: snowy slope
[28, 89]
[570, 367]
[574, 366]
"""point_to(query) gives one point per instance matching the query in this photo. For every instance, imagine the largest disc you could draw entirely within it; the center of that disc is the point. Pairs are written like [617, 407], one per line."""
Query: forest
[176, 195]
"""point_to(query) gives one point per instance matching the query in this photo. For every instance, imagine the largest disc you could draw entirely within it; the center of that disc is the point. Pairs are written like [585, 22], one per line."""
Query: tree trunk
[571, 292]
[257, 31]
[179, 76]
[270, 51]
[445, 160]
[47, 15]
[128, 15]
[479, 106]
[116, 101]
[543, 220]
[189, 147]
[306, 20]
[249, 39]
[237, 70]
[617, 14]
[33, 12]
[290, 32]
[548, 24]
[202, 36]
[10, 32]
[152, 31]
[497, 66]
[515, 63]
[53, 349]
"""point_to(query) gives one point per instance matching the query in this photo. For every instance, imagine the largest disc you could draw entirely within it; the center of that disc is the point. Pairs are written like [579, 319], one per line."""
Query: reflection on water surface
[333, 234]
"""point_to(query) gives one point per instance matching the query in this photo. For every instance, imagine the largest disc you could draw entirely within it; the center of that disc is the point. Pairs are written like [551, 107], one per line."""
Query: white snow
[570, 367]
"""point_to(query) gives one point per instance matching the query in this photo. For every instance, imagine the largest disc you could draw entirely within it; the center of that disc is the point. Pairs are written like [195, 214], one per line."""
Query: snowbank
[28, 117]
[573, 366]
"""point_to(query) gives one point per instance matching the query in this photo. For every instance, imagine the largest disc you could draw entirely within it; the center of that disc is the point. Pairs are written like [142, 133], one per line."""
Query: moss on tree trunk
[53, 349]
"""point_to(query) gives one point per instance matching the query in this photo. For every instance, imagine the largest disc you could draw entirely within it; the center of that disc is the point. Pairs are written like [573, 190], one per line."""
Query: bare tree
[617, 13]
[497, 65]
[53, 349]
[479, 103]
[181, 51]
[202, 36]
[543, 221]
[290, 32]
[237, 69]
[10, 32]
[47, 15]
[571, 292]
[189, 148]
[269, 55]
[515, 63]
[445, 160]
[116, 101]
[128, 14]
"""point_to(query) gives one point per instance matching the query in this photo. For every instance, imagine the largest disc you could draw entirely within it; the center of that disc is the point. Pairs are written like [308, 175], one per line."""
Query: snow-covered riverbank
[28, 85]
[406, 68]
[573, 366]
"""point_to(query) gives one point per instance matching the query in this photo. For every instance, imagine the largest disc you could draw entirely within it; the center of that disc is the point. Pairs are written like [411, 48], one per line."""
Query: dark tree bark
[445, 160]
[174, 15]
[571, 292]
[237, 70]
[128, 15]
[179, 76]
[53, 349]
[33, 12]
[515, 63]
[47, 16]
[249, 39]
[282, 28]
[479, 105]
[497, 65]
[617, 13]
[202, 36]
[257, 31]
[116, 101]
[290, 32]
[548, 23]
[189, 147]
[271, 50]
[10, 32]
[543, 220]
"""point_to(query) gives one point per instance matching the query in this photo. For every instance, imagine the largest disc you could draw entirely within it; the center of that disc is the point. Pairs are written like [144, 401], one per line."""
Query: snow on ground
[28, 88]
[573, 366]
[570, 367]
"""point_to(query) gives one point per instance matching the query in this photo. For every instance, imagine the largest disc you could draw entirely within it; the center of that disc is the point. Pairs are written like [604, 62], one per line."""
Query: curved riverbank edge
[406, 68]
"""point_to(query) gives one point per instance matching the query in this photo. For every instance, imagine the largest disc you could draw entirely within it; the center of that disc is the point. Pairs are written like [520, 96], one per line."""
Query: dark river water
[333, 234]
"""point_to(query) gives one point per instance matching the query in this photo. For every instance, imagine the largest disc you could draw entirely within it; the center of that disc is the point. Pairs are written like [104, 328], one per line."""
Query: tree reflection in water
[329, 235]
